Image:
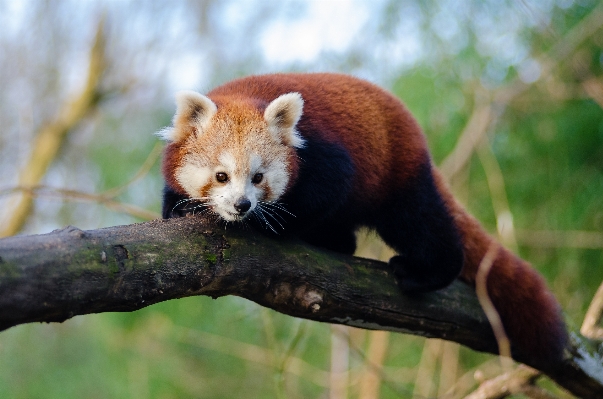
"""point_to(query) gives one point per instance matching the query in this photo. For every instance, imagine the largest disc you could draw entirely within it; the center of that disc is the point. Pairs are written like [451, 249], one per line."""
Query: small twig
[535, 392]
[472, 134]
[483, 118]
[448, 370]
[590, 327]
[481, 289]
[511, 382]
[106, 198]
[584, 29]
[79, 196]
[287, 357]
[425, 381]
[393, 383]
[249, 352]
[340, 350]
[52, 135]
[371, 379]
[142, 172]
[594, 88]
[561, 239]
[498, 195]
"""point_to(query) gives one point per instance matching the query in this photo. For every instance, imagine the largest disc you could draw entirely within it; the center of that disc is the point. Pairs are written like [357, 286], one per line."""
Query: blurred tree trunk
[52, 135]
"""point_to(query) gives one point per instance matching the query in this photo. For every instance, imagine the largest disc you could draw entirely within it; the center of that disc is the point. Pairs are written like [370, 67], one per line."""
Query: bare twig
[472, 134]
[371, 378]
[387, 377]
[50, 138]
[481, 289]
[106, 198]
[561, 239]
[425, 381]
[484, 117]
[142, 172]
[591, 327]
[449, 370]
[594, 88]
[519, 380]
[584, 29]
[498, 195]
[79, 196]
[252, 353]
[467, 381]
[340, 354]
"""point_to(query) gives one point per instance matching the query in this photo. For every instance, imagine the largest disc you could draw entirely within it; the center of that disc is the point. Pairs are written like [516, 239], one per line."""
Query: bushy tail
[530, 314]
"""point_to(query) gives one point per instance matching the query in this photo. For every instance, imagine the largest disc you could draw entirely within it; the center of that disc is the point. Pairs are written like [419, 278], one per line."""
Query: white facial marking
[278, 178]
[225, 195]
[255, 161]
[192, 177]
[228, 161]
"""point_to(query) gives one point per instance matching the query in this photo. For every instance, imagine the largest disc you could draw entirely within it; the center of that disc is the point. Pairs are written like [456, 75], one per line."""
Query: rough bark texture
[69, 272]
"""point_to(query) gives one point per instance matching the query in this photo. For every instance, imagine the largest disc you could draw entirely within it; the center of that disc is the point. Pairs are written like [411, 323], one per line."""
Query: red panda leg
[417, 225]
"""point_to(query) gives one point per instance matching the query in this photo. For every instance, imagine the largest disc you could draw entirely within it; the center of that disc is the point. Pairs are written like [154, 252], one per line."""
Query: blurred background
[509, 93]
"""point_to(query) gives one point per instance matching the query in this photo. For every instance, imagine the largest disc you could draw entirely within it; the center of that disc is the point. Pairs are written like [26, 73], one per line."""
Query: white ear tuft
[193, 108]
[167, 134]
[193, 112]
[282, 114]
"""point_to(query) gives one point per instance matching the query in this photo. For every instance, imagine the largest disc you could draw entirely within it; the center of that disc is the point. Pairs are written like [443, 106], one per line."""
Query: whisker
[260, 214]
[267, 212]
[277, 206]
[188, 201]
[272, 212]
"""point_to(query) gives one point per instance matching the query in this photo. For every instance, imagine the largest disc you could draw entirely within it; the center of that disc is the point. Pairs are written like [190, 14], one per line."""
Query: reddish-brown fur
[172, 160]
[530, 314]
[363, 124]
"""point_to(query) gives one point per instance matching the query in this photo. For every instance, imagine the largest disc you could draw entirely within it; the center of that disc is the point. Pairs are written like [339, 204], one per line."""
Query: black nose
[242, 205]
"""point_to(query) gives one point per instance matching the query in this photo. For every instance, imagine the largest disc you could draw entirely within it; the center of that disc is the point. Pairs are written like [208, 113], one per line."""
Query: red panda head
[228, 154]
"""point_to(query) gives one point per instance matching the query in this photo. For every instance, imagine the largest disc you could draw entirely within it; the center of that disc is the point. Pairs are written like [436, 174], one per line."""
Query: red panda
[319, 155]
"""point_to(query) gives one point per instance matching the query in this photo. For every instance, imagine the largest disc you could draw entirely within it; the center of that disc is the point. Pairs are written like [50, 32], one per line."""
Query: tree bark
[69, 272]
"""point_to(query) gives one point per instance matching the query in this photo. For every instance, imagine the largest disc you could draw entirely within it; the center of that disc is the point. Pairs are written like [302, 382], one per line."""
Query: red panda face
[231, 157]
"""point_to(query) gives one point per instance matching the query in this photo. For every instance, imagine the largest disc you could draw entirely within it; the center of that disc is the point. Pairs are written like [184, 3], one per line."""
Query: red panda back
[384, 140]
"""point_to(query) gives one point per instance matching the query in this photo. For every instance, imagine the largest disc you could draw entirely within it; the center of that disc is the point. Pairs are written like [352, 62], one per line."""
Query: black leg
[418, 226]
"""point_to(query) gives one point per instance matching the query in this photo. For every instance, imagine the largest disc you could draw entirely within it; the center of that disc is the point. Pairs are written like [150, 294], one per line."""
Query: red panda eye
[257, 178]
[222, 177]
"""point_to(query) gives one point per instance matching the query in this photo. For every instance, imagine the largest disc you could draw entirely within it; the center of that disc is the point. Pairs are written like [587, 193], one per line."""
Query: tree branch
[56, 276]
[52, 135]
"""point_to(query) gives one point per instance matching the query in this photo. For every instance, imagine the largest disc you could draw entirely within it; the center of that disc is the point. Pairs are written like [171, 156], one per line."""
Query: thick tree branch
[56, 276]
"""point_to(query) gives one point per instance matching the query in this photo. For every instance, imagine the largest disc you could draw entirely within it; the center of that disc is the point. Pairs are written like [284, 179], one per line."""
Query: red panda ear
[282, 114]
[193, 112]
